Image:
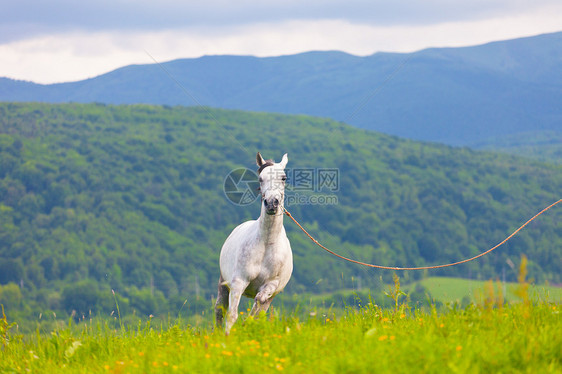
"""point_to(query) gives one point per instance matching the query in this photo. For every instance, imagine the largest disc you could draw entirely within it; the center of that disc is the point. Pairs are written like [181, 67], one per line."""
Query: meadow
[96, 198]
[450, 290]
[487, 337]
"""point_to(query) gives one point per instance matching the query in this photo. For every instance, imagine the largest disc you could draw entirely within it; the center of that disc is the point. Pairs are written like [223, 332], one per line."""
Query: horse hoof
[262, 297]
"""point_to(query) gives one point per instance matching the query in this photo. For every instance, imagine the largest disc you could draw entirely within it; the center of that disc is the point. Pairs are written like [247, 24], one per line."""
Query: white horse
[256, 259]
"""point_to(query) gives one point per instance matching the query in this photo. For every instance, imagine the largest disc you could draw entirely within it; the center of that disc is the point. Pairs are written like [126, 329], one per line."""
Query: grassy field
[481, 338]
[447, 290]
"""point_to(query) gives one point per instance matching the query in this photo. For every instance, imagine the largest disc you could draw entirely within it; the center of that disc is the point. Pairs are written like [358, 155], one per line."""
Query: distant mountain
[458, 96]
[540, 145]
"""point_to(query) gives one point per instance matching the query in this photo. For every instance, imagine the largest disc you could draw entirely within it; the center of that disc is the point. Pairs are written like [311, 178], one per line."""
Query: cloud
[22, 19]
[59, 41]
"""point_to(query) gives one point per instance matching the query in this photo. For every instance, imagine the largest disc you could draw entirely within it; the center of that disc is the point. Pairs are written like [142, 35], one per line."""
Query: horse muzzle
[271, 206]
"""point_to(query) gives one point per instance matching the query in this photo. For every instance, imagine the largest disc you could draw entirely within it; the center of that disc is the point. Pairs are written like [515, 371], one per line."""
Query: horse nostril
[275, 203]
[265, 202]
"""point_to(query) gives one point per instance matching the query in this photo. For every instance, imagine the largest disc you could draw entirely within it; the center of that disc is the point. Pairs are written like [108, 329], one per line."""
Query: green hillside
[130, 198]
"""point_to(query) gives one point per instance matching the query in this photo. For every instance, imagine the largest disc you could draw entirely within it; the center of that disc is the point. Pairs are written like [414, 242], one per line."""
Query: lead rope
[420, 267]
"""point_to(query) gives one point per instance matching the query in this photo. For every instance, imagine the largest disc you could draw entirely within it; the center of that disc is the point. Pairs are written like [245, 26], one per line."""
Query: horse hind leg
[221, 306]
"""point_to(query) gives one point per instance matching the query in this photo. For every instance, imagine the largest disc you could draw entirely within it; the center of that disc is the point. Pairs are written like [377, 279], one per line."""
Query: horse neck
[271, 226]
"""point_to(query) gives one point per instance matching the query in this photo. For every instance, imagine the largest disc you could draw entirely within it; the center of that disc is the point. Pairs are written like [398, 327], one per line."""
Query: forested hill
[130, 198]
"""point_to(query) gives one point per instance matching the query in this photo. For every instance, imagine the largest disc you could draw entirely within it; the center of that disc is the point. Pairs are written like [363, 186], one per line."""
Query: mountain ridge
[457, 96]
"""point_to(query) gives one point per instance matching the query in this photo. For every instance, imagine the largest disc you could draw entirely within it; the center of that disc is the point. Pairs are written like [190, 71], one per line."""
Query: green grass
[450, 290]
[518, 337]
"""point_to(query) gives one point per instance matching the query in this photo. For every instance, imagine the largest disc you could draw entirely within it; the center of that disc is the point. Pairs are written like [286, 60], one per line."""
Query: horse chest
[264, 260]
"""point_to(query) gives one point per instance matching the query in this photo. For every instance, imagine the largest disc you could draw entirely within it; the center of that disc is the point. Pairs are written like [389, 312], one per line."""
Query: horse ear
[284, 160]
[259, 160]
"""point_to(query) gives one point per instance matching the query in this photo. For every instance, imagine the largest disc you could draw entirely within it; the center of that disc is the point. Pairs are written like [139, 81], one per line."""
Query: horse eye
[284, 178]
[260, 179]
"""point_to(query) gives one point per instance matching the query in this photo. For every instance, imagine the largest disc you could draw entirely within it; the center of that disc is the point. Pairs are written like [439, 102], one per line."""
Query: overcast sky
[48, 41]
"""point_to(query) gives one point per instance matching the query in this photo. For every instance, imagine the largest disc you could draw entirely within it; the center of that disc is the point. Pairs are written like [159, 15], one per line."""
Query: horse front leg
[236, 290]
[264, 297]
[258, 307]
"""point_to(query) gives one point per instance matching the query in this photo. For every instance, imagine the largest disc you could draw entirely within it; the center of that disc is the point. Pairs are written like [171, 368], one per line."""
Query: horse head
[272, 179]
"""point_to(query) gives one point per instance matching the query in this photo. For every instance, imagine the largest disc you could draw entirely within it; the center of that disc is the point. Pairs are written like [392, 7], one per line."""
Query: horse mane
[265, 164]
